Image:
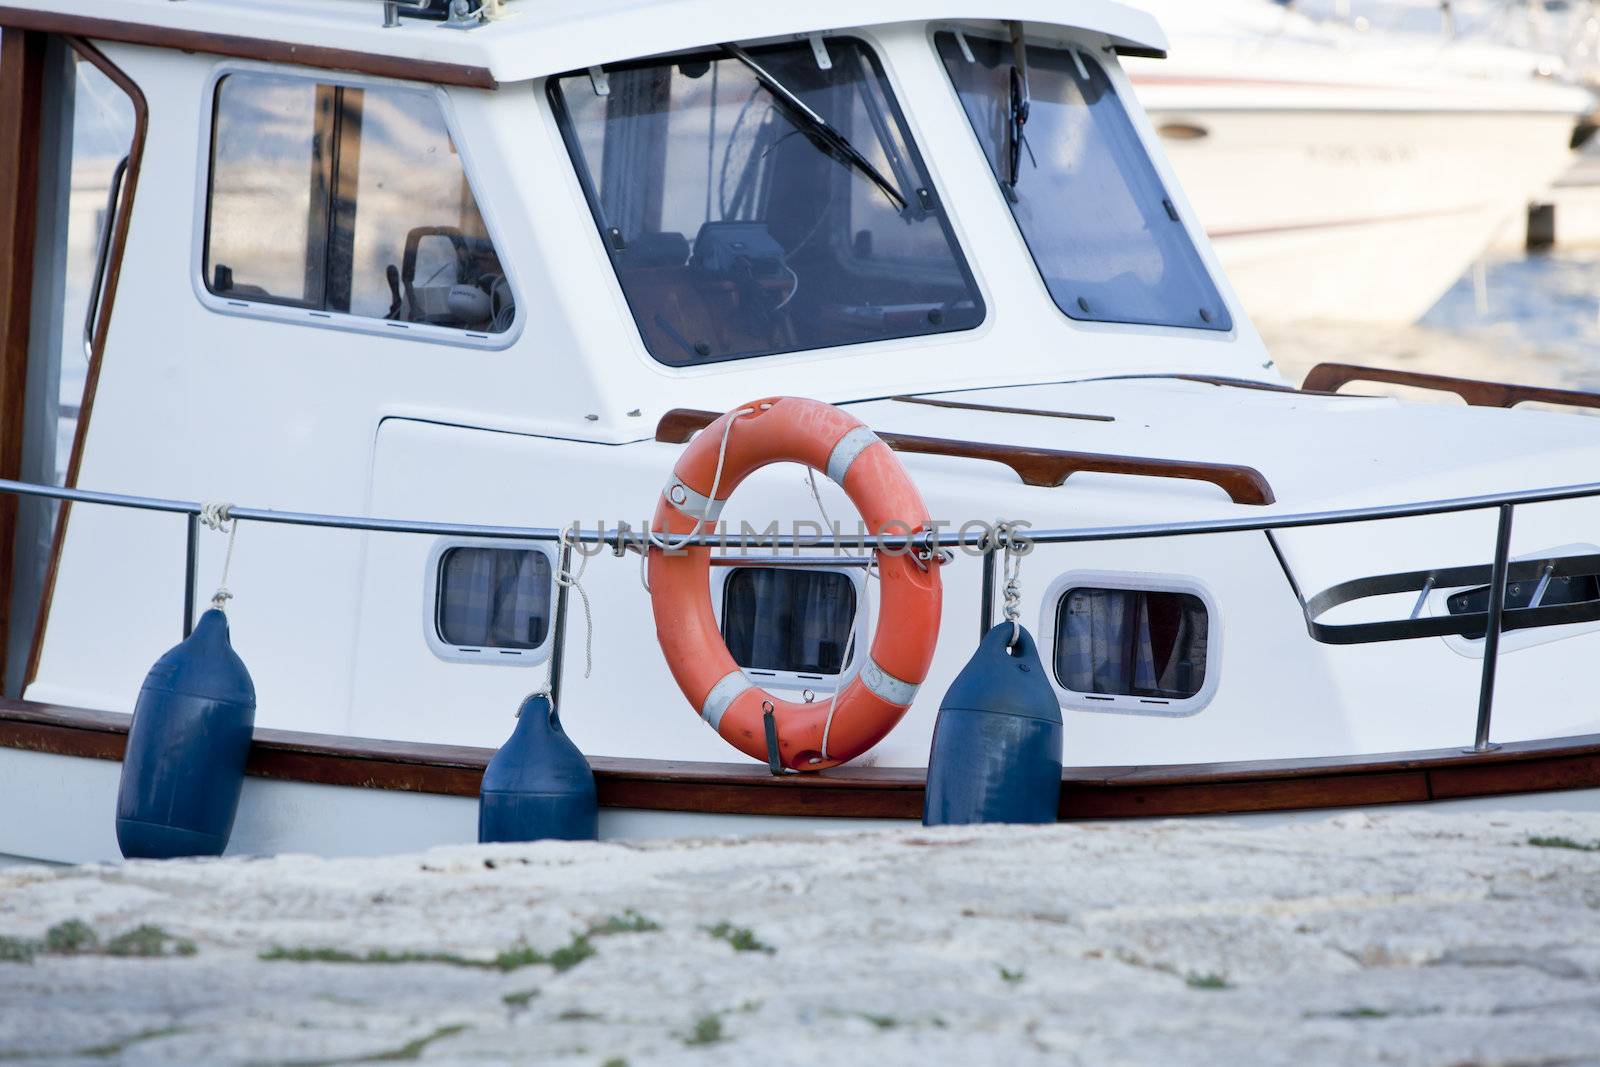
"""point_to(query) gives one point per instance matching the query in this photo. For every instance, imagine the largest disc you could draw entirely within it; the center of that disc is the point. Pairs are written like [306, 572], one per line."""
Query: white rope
[811, 479]
[219, 517]
[575, 582]
[663, 540]
[849, 650]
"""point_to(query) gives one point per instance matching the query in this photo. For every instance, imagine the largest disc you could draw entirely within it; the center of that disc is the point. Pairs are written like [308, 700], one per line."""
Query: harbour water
[1524, 317]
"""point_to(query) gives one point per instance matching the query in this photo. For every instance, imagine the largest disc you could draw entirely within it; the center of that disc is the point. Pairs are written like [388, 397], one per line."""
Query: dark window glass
[780, 619]
[1088, 200]
[1131, 642]
[343, 199]
[493, 598]
[735, 232]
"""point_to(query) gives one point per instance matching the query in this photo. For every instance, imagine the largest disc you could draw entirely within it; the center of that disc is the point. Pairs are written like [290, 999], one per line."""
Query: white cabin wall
[199, 404]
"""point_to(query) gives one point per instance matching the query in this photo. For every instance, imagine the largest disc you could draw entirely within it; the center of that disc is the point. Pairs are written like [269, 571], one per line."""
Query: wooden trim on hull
[872, 792]
[221, 44]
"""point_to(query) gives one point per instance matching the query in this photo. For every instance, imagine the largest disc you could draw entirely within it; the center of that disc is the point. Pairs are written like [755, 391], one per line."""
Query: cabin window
[764, 204]
[789, 622]
[348, 200]
[491, 602]
[1146, 644]
[1105, 234]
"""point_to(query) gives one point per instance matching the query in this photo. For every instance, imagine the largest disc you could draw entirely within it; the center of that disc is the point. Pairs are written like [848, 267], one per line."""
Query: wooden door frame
[22, 66]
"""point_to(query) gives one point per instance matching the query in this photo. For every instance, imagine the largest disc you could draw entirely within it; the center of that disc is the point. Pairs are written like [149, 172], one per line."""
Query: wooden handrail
[1035, 466]
[1328, 377]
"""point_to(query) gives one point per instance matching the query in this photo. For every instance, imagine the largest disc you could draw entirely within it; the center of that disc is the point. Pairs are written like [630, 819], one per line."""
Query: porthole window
[1136, 644]
[786, 625]
[491, 602]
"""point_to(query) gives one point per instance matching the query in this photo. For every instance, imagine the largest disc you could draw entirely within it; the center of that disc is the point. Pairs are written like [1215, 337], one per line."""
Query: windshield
[764, 201]
[1090, 205]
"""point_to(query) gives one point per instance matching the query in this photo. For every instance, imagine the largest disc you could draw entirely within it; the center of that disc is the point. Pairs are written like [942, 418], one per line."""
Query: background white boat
[1348, 175]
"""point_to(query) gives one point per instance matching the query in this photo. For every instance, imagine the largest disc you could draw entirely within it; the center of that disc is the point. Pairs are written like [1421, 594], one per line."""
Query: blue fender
[538, 786]
[996, 753]
[184, 765]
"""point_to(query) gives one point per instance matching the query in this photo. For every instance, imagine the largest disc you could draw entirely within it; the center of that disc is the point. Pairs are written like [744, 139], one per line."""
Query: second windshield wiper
[1017, 108]
[819, 128]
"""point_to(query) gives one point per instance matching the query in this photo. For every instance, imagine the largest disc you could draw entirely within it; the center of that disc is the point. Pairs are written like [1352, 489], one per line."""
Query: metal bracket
[966, 49]
[819, 51]
[769, 720]
[599, 81]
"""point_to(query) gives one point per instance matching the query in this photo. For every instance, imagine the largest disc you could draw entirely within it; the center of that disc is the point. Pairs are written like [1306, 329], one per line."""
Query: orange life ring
[811, 736]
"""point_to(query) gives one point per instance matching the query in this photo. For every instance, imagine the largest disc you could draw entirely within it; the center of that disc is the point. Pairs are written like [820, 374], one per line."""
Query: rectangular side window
[782, 619]
[346, 200]
[1131, 642]
[493, 598]
[1092, 209]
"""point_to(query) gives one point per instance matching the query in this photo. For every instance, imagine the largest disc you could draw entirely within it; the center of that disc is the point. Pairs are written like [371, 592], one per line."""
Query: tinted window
[1088, 200]
[736, 230]
[1131, 642]
[493, 598]
[343, 199]
[780, 619]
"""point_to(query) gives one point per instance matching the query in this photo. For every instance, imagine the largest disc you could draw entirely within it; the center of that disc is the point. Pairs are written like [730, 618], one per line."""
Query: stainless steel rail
[619, 539]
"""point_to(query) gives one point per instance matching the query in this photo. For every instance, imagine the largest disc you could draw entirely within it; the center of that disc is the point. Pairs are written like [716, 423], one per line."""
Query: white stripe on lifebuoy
[850, 446]
[723, 694]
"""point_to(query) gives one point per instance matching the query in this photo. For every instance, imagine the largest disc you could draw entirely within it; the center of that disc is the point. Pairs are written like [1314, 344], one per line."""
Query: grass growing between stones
[75, 937]
[1207, 980]
[564, 958]
[1008, 975]
[707, 1031]
[1564, 842]
[740, 937]
[410, 1051]
[629, 922]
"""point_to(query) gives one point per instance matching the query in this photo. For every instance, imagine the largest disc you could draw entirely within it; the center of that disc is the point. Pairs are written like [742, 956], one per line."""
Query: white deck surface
[1397, 938]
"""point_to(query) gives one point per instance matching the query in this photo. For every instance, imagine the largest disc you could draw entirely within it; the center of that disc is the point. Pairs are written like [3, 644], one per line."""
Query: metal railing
[620, 539]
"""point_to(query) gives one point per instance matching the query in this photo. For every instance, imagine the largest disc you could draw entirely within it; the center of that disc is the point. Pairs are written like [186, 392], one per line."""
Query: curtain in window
[788, 620]
[1131, 643]
[494, 598]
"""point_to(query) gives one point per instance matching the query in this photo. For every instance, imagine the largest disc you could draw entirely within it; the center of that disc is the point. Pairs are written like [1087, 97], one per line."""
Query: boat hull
[1352, 214]
[340, 796]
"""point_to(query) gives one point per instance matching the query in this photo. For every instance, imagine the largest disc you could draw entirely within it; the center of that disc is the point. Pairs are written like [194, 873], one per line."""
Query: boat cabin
[491, 265]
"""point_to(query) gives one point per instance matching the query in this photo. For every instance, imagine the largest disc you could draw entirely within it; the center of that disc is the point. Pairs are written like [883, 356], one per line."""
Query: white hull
[1349, 176]
[59, 811]
[1359, 216]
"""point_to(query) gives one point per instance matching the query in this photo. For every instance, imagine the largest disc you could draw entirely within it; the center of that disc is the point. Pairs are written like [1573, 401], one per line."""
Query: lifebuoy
[811, 736]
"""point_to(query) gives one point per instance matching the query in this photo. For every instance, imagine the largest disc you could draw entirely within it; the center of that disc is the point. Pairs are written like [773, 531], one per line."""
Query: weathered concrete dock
[1402, 938]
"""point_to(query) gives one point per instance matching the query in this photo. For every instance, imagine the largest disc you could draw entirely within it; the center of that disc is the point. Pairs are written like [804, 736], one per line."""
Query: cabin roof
[542, 37]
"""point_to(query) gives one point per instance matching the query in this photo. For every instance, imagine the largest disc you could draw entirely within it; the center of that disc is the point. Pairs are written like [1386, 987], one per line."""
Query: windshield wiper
[820, 129]
[1018, 107]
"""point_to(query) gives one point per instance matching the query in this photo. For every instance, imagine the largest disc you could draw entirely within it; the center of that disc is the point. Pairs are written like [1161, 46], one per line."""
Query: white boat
[401, 301]
[1351, 175]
